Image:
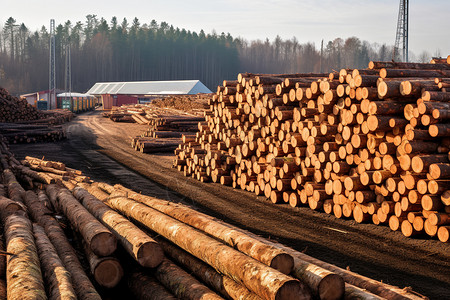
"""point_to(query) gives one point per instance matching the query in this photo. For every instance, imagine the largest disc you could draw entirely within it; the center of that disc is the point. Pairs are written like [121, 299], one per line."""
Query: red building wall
[109, 101]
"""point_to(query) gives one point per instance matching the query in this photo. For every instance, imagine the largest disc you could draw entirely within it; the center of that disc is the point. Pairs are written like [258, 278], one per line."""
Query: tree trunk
[57, 279]
[23, 273]
[101, 241]
[220, 283]
[225, 259]
[145, 287]
[82, 285]
[268, 255]
[181, 284]
[138, 244]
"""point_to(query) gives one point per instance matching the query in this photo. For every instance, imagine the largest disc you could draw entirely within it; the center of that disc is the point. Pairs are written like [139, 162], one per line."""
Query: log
[15, 190]
[23, 273]
[220, 283]
[226, 260]
[58, 280]
[268, 255]
[139, 245]
[100, 240]
[146, 287]
[2, 289]
[181, 284]
[107, 270]
[376, 287]
[439, 170]
[9, 207]
[82, 285]
[444, 234]
[406, 65]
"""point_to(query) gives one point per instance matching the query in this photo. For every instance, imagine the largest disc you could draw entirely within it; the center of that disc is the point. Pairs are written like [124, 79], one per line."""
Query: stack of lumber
[369, 144]
[175, 252]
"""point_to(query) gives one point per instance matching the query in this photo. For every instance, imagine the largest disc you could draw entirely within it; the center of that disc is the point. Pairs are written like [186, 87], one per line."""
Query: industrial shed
[119, 93]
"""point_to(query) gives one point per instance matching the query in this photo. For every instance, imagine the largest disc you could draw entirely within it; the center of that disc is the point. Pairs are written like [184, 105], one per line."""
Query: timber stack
[166, 125]
[22, 123]
[169, 251]
[372, 144]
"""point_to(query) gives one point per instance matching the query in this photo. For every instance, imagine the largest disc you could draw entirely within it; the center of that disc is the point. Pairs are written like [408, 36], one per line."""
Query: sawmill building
[118, 93]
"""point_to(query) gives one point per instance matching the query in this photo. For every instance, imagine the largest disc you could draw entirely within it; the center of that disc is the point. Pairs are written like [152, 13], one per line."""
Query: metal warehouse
[119, 93]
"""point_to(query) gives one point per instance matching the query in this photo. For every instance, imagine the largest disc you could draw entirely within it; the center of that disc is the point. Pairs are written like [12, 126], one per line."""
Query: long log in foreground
[101, 241]
[143, 286]
[2, 289]
[221, 283]
[268, 255]
[57, 278]
[23, 273]
[41, 214]
[257, 277]
[107, 271]
[138, 244]
[181, 284]
[352, 279]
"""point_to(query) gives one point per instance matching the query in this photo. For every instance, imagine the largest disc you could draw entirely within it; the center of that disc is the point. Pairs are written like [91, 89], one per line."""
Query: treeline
[113, 51]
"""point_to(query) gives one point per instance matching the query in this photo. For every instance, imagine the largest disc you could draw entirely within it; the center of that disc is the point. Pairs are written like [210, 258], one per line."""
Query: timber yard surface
[101, 149]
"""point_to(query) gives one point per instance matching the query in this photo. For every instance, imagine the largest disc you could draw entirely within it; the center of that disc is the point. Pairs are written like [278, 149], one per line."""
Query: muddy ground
[101, 149]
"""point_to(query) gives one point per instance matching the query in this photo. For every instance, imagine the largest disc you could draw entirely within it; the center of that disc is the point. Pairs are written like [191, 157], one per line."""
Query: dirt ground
[101, 149]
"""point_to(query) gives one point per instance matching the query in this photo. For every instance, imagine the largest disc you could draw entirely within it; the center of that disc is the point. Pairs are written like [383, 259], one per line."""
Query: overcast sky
[307, 20]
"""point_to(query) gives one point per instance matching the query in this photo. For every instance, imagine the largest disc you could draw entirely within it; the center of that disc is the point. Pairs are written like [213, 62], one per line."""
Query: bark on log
[23, 273]
[57, 279]
[101, 241]
[220, 283]
[82, 285]
[2, 289]
[226, 260]
[270, 256]
[146, 287]
[376, 287]
[107, 271]
[139, 245]
[15, 190]
[8, 207]
[181, 284]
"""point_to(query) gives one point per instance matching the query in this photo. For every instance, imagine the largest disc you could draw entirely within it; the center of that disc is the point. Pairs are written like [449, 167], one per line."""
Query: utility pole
[52, 66]
[401, 38]
[68, 75]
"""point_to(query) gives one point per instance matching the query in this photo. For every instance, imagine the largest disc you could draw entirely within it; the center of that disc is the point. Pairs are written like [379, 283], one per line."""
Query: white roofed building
[119, 93]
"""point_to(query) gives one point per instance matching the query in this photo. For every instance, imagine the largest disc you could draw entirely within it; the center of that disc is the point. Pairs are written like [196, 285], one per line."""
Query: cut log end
[293, 289]
[103, 244]
[331, 287]
[150, 255]
[444, 234]
[108, 273]
[283, 262]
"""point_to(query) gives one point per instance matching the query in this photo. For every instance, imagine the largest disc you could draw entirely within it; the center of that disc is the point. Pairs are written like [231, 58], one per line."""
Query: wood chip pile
[372, 144]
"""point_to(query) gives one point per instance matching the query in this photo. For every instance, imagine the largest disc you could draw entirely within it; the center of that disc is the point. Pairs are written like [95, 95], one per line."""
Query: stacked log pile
[165, 125]
[13, 109]
[204, 258]
[369, 144]
[22, 123]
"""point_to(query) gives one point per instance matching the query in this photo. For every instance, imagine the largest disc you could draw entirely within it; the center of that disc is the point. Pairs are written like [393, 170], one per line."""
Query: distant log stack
[22, 123]
[165, 124]
[370, 144]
